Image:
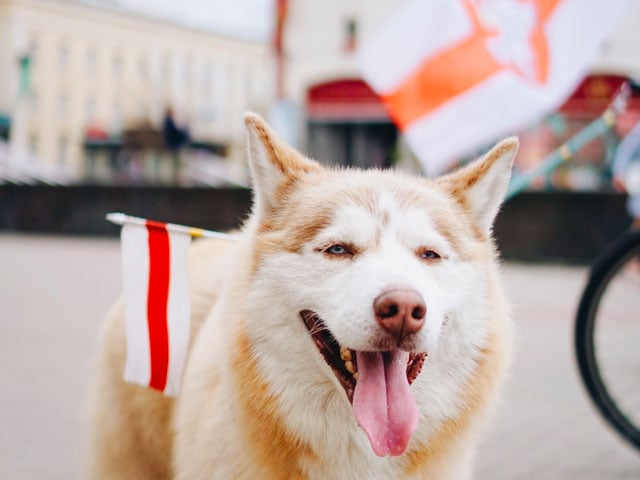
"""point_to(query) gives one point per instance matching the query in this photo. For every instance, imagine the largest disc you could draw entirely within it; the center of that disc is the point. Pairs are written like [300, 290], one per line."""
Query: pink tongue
[383, 403]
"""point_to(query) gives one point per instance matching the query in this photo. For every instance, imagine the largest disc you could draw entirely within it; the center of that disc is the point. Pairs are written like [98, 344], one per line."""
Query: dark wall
[82, 210]
[560, 226]
[565, 227]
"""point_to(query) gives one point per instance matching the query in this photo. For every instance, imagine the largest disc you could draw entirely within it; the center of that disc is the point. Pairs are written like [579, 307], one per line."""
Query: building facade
[75, 69]
[338, 118]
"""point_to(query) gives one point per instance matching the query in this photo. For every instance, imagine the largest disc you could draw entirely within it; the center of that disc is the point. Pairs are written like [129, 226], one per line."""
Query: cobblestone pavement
[53, 292]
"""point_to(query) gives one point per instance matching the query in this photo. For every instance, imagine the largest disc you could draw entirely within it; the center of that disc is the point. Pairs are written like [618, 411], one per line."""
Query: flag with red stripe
[156, 303]
[457, 74]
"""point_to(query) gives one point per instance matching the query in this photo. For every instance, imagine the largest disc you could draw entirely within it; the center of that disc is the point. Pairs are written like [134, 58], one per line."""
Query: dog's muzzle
[343, 361]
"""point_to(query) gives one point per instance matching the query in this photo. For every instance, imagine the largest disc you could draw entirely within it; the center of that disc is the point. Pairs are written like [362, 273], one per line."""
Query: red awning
[594, 94]
[345, 100]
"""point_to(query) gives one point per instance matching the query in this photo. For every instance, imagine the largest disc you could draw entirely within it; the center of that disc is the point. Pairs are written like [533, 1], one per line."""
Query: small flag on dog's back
[156, 302]
[457, 74]
[157, 306]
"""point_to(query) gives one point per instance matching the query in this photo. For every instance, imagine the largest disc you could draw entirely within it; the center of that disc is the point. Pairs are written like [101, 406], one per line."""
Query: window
[142, 112]
[247, 84]
[33, 102]
[117, 64]
[165, 70]
[143, 69]
[92, 59]
[34, 51]
[179, 75]
[188, 68]
[116, 117]
[90, 110]
[221, 81]
[63, 56]
[33, 145]
[207, 78]
[63, 105]
[351, 33]
[63, 146]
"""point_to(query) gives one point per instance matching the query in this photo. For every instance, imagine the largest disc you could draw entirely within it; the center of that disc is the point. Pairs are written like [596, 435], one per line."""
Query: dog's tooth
[349, 366]
[355, 376]
[345, 354]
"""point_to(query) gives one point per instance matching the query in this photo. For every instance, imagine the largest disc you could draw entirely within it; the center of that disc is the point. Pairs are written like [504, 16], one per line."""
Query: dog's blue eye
[429, 255]
[337, 250]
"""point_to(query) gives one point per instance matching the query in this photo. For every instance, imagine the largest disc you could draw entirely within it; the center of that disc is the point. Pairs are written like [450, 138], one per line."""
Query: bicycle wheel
[607, 336]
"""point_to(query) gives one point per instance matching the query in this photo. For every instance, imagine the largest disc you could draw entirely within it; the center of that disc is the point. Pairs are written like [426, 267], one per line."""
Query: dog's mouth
[376, 383]
[344, 361]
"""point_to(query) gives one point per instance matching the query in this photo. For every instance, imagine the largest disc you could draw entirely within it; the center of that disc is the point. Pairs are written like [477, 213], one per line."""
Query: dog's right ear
[274, 164]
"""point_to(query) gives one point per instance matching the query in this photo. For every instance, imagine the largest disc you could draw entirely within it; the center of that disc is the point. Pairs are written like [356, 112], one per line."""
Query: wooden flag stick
[121, 219]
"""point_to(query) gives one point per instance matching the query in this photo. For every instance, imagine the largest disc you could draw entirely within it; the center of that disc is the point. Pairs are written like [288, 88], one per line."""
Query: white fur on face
[341, 290]
[388, 218]
[388, 258]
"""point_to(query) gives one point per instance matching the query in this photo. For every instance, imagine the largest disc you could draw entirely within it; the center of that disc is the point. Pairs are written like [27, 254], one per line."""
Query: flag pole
[122, 219]
[568, 149]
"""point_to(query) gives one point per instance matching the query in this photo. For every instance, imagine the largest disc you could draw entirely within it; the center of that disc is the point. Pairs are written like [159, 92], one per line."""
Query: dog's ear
[274, 164]
[482, 185]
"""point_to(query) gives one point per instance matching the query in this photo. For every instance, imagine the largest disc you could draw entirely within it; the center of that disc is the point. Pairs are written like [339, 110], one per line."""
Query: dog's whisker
[318, 327]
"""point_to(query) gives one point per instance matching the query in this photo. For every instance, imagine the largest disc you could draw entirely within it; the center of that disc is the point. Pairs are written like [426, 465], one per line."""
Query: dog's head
[372, 264]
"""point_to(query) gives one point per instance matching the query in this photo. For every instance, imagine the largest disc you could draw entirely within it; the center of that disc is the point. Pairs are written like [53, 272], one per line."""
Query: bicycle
[612, 289]
[605, 321]
[608, 308]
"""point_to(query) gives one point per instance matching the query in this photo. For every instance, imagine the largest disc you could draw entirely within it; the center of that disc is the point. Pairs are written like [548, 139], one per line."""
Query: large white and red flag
[156, 304]
[457, 74]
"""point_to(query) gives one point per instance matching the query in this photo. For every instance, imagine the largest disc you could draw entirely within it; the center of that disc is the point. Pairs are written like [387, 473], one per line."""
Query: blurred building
[77, 71]
[81, 78]
[339, 119]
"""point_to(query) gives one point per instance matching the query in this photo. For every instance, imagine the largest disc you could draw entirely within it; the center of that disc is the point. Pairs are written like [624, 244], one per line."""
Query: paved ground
[53, 292]
[547, 429]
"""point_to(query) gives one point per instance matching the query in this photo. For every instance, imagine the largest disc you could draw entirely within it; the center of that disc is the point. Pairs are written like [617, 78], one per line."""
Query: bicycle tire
[606, 267]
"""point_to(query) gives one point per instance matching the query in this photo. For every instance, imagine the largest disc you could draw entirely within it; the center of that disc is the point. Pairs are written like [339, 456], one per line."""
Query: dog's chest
[352, 463]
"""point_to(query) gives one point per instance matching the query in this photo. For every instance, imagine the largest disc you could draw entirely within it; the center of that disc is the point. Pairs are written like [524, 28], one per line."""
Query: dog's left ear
[273, 164]
[482, 185]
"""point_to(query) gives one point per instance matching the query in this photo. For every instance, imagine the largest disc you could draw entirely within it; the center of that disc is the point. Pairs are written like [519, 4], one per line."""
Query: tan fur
[457, 183]
[131, 426]
[285, 158]
[279, 453]
[435, 457]
[229, 418]
[119, 407]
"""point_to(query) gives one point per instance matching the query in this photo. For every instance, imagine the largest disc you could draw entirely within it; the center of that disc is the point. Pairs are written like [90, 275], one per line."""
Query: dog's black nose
[400, 311]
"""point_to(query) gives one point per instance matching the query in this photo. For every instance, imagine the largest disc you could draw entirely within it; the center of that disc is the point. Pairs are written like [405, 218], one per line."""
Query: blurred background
[137, 105]
[86, 88]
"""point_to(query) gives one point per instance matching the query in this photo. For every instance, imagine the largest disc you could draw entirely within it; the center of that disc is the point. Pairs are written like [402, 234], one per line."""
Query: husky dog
[357, 329]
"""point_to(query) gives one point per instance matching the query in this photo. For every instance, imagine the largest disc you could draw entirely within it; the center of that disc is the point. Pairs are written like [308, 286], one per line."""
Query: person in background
[175, 138]
[626, 172]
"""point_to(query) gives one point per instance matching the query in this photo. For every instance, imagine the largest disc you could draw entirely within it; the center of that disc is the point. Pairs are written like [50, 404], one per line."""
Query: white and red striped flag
[156, 304]
[457, 74]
